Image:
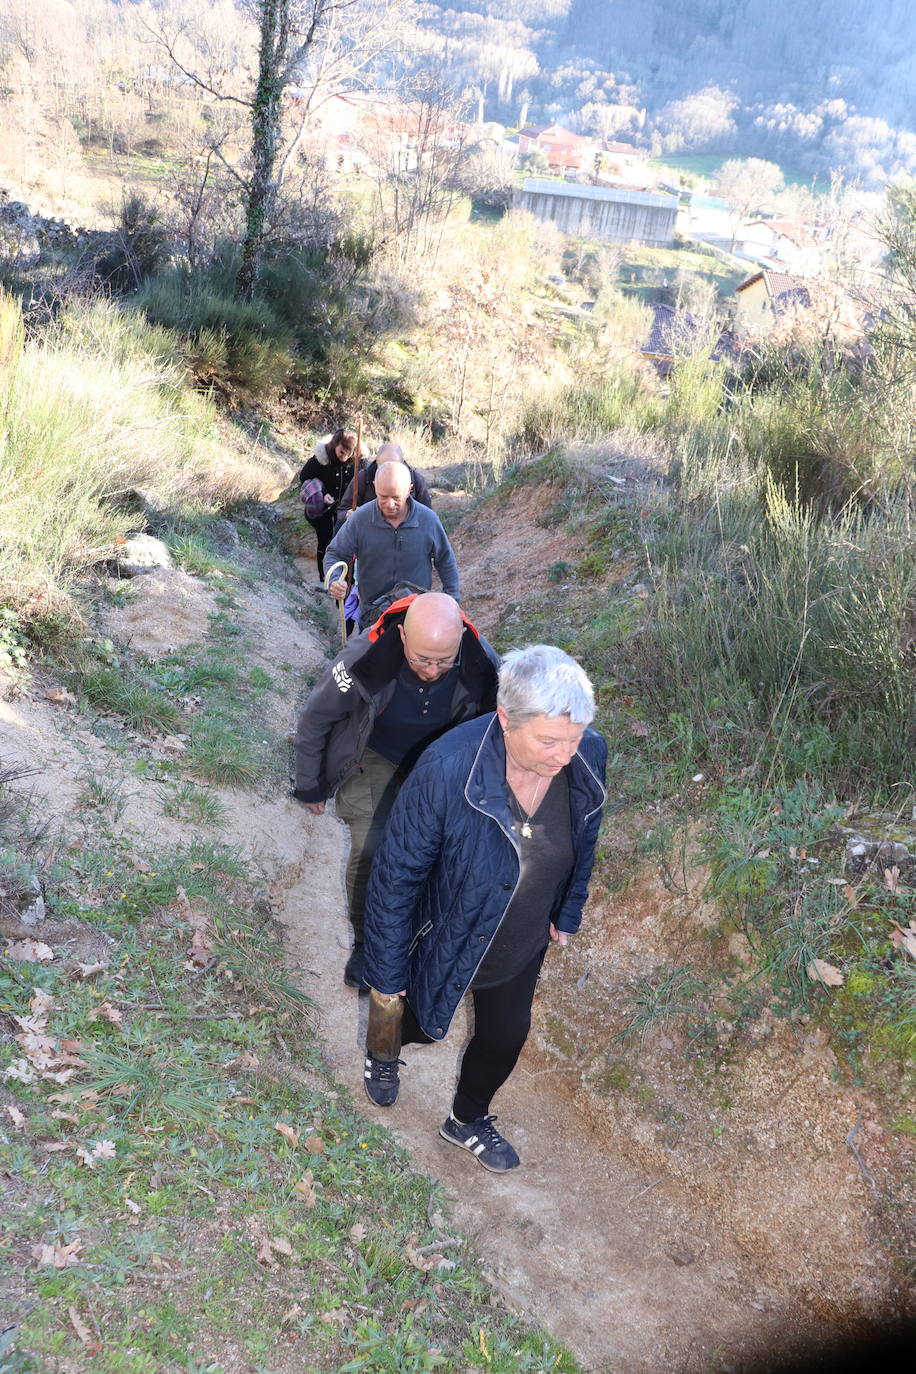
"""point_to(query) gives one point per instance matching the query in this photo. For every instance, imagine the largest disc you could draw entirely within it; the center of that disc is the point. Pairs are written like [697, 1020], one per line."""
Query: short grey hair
[541, 680]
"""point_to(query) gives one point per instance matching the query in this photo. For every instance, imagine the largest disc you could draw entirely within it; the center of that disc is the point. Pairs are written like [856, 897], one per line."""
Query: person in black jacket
[331, 466]
[419, 670]
[485, 861]
[365, 482]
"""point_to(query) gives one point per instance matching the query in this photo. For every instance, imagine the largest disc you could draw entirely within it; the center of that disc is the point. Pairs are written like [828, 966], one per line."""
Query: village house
[621, 162]
[780, 243]
[763, 297]
[769, 302]
[564, 151]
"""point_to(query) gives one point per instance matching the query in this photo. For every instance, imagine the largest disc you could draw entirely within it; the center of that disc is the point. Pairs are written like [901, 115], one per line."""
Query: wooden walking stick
[332, 574]
[354, 500]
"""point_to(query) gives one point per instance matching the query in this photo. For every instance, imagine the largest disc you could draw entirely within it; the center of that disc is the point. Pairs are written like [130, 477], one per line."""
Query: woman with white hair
[485, 861]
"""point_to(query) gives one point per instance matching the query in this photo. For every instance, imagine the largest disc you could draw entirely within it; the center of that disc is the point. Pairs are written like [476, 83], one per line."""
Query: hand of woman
[559, 937]
[328, 499]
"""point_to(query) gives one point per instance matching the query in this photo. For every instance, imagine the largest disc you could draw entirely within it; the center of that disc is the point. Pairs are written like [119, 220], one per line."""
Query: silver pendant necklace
[526, 824]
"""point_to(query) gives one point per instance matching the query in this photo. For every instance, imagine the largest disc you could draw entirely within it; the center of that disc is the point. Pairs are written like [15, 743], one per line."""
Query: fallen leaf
[59, 1256]
[60, 696]
[87, 970]
[892, 878]
[315, 1145]
[16, 1116]
[288, 1133]
[305, 1187]
[140, 865]
[247, 1060]
[41, 1003]
[106, 1012]
[132, 1206]
[281, 1246]
[639, 729]
[905, 939]
[422, 1262]
[53, 1147]
[819, 971]
[762, 854]
[63, 1077]
[102, 1149]
[264, 1255]
[79, 1326]
[291, 1315]
[29, 952]
[65, 1116]
[173, 745]
[21, 1070]
[339, 1316]
[357, 1233]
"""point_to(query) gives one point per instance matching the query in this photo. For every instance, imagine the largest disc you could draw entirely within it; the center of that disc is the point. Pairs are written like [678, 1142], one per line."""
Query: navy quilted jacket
[446, 869]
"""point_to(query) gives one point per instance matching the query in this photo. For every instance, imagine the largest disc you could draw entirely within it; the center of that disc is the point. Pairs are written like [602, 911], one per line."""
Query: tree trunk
[265, 141]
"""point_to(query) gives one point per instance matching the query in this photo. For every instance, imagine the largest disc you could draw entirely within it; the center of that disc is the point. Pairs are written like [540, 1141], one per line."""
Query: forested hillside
[823, 84]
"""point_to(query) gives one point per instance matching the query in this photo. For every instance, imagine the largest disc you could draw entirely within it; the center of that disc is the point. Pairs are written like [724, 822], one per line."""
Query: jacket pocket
[423, 931]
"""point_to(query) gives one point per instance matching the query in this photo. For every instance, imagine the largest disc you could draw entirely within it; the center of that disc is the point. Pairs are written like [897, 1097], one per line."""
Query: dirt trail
[619, 1265]
[622, 1266]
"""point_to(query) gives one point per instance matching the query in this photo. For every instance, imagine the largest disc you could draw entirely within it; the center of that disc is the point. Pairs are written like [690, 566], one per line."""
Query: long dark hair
[347, 437]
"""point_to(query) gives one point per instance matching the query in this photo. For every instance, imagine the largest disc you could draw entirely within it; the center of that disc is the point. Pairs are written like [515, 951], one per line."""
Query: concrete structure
[600, 212]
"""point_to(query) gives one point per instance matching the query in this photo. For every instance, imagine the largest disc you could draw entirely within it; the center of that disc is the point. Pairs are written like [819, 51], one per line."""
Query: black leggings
[502, 1020]
[324, 533]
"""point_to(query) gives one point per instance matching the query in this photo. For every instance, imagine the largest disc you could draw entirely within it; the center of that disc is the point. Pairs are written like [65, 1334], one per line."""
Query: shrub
[231, 344]
[97, 406]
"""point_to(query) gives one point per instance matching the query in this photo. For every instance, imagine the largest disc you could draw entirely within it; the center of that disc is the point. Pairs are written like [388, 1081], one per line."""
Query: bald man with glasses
[419, 670]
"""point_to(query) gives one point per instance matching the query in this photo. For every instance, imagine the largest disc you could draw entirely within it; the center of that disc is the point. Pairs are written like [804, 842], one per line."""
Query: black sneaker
[353, 969]
[483, 1140]
[381, 1080]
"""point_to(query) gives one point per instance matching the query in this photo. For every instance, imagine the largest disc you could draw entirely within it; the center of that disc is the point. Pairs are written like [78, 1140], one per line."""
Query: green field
[706, 167]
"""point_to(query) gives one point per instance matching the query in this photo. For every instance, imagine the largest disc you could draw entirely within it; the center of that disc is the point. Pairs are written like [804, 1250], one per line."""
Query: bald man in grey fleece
[396, 541]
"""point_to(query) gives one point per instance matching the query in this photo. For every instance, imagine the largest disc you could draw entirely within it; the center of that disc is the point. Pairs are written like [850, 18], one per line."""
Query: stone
[30, 901]
[141, 553]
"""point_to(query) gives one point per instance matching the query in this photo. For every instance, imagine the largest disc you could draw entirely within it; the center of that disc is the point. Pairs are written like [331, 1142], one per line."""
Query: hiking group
[472, 788]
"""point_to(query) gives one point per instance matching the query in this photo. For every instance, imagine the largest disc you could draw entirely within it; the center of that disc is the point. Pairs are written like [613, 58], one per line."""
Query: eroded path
[621, 1266]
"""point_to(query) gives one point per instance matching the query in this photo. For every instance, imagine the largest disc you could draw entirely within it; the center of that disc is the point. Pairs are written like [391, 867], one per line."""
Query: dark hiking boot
[381, 1080]
[483, 1140]
[353, 969]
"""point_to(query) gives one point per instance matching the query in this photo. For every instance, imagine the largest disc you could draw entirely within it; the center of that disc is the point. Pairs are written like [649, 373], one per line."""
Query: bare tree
[416, 143]
[747, 184]
[315, 45]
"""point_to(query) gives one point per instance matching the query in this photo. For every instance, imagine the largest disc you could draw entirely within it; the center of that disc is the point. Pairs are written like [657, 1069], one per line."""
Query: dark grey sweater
[388, 555]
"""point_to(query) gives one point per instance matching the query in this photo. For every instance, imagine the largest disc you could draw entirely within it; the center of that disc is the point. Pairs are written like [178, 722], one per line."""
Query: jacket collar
[409, 519]
[383, 659]
[486, 785]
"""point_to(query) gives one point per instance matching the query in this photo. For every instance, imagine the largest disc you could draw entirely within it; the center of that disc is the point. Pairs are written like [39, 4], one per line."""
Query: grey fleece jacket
[389, 555]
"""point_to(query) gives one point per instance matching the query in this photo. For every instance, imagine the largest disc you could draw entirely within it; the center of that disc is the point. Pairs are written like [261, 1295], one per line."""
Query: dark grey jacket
[390, 555]
[337, 719]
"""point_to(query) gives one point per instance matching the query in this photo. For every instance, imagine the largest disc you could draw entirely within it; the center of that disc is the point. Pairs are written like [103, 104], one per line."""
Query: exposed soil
[640, 1254]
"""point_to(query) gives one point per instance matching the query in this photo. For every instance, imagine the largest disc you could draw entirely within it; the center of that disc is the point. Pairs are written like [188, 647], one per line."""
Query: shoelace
[487, 1132]
[385, 1069]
